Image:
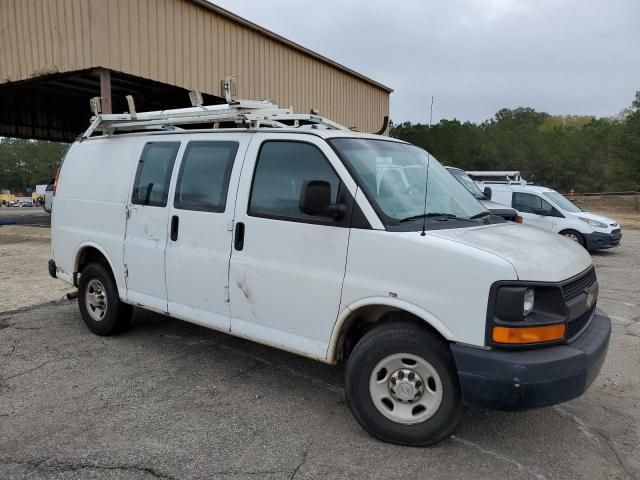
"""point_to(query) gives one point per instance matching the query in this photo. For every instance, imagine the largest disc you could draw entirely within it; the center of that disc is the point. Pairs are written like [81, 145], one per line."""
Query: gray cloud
[473, 56]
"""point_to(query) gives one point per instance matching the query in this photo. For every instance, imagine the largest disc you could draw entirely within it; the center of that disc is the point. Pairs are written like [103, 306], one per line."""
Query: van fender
[122, 290]
[399, 304]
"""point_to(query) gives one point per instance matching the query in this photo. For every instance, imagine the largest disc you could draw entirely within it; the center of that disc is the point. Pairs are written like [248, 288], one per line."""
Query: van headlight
[527, 304]
[525, 313]
[593, 223]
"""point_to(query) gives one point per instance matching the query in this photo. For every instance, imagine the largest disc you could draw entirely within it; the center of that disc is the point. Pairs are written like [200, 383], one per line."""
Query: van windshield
[394, 176]
[561, 201]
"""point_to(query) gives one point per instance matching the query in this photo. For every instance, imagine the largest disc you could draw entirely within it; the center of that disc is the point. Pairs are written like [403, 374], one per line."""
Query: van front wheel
[573, 235]
[402, 385]
[100, 306]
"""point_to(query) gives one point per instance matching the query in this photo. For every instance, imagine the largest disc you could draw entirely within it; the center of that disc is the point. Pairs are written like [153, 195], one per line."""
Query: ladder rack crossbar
[250, 114]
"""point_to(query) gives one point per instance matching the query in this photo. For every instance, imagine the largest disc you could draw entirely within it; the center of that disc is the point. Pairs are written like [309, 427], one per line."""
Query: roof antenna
[426, 182]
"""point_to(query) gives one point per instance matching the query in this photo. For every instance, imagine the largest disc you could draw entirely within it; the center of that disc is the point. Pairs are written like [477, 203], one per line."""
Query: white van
[48, 197]
[292, 237]
[547, 209]
[495, 208]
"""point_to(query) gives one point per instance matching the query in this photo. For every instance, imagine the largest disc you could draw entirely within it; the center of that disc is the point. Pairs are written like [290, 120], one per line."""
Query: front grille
[615, 232]
[576, 325]
[574, 288]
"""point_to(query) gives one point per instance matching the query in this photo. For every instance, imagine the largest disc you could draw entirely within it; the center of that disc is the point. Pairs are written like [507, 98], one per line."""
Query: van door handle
[238, 240]
[175, 222]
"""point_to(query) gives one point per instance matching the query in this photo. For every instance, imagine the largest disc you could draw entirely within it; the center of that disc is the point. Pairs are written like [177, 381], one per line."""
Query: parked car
[495, 208]
[308, 241]
[549, 210]
[48, 197]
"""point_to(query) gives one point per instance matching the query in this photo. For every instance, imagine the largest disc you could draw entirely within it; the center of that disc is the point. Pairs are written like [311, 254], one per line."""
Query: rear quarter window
[151, 186]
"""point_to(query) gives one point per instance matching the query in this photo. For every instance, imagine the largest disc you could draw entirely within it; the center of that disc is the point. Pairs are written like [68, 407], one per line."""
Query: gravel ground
[172, 400]
[24, 277]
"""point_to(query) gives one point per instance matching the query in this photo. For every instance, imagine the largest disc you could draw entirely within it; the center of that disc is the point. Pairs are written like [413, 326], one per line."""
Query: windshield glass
[466, 181]
[561, 201]
[394, 176]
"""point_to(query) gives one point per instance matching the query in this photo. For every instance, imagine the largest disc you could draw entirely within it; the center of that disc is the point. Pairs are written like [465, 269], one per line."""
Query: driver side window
[529, 203]
[282, 168]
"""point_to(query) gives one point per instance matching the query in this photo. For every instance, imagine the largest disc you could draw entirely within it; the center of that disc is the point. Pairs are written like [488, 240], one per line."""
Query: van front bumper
[597, 240]
[522, 379]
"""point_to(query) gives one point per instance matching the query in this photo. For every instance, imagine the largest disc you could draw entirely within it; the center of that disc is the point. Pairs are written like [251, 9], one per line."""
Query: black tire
[116, 315]
[406, 338]
[573, 235]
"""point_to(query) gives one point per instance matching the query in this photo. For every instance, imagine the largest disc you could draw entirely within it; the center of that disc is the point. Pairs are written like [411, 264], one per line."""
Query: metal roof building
[57, 54]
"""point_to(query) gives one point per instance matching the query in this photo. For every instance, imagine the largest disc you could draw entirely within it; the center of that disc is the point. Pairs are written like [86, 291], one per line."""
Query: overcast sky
[473, 56]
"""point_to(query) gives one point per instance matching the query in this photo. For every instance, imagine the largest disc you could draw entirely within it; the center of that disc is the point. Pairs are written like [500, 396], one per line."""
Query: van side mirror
[315, 200]
[488, 192]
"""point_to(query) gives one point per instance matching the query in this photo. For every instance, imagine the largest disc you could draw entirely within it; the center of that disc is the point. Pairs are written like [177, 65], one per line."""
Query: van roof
[319, 132]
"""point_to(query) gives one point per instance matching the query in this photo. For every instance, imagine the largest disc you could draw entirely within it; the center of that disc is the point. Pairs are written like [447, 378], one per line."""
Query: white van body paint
[294, 284]
[503, 193]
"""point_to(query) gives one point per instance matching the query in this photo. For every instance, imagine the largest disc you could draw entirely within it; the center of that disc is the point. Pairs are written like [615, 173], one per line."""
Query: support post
[105, 90]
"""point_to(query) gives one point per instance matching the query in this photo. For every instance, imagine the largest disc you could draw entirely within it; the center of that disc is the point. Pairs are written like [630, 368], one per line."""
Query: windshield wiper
[480, 215]
[439, 216]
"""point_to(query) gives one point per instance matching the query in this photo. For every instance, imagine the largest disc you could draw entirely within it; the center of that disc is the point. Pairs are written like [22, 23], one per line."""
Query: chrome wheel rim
[405, 388]
[96, 300]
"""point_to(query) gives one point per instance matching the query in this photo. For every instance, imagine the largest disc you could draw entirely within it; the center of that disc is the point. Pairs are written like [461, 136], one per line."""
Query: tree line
[582, 153]
[27, 163]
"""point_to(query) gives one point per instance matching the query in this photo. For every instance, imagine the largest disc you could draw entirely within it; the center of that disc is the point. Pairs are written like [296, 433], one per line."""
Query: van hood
[593, 216]
[536, 255]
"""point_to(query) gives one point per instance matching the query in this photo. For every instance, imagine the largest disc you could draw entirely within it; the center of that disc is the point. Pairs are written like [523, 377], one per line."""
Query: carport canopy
[56, 107]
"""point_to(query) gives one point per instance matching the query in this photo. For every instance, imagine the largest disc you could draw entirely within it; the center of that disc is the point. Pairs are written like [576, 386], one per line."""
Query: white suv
[308, 241]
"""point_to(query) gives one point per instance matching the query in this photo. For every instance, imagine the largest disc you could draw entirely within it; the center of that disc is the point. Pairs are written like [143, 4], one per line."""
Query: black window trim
[343, 195]
[168, 174]
[224, 193]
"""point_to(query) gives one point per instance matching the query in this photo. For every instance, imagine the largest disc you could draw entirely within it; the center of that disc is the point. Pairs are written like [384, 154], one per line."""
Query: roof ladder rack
[498, 176]
[244, 113]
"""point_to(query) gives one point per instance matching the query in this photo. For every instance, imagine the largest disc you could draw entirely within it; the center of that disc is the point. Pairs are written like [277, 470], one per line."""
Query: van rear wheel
[100, 306]
[402, 385]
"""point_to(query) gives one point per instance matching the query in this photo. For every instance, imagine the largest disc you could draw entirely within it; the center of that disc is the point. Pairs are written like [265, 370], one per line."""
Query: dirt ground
[625, 209]
[24, 278]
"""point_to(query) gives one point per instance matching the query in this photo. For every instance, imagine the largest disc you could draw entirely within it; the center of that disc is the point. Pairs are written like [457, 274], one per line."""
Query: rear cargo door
[200, 229]
[147, 218]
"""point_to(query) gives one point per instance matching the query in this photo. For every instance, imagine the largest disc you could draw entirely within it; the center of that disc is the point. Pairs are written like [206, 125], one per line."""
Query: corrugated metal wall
[180, 43]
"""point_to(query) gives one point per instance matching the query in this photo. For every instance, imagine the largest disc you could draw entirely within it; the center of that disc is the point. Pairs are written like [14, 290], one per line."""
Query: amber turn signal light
[521, 335]
[519, 219]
